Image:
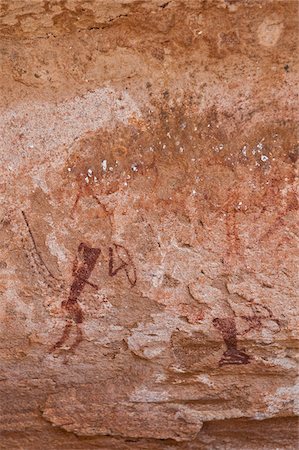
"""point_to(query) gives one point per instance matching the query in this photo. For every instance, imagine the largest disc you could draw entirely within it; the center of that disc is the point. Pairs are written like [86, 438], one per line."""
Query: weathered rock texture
[148, 224]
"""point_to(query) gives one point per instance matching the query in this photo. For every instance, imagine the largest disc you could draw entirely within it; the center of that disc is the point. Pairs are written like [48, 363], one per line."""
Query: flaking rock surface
[148, 224]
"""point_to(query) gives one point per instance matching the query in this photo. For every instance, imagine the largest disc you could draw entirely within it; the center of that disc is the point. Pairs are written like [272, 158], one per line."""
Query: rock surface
[148, 224]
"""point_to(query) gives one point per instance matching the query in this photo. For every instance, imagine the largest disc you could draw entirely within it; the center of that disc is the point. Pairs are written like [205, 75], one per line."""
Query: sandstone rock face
[148, 224]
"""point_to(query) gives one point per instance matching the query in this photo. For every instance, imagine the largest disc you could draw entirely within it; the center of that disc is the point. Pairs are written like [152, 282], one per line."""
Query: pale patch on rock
[284, 399]
[143, 394]
[46, 126]
[39, 179]
[151, 339]
[57, 250]
[205, 379]
[286, 363]
[269, 31]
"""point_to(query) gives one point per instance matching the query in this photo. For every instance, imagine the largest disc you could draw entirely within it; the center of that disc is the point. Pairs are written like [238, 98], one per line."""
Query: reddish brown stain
[126, 263]
[232, 233]
[234, 248]
[83, 266]
[232, 355]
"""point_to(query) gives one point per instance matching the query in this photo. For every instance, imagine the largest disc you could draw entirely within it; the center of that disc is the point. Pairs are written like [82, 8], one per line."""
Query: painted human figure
[83, 266]
[260, 317]
[228, 330]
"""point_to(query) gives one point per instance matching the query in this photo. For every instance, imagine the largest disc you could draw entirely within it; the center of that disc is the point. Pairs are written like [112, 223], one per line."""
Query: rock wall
[148, 224]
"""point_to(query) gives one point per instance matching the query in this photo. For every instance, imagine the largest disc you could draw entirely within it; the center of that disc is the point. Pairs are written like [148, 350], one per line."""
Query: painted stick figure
[83, 266]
